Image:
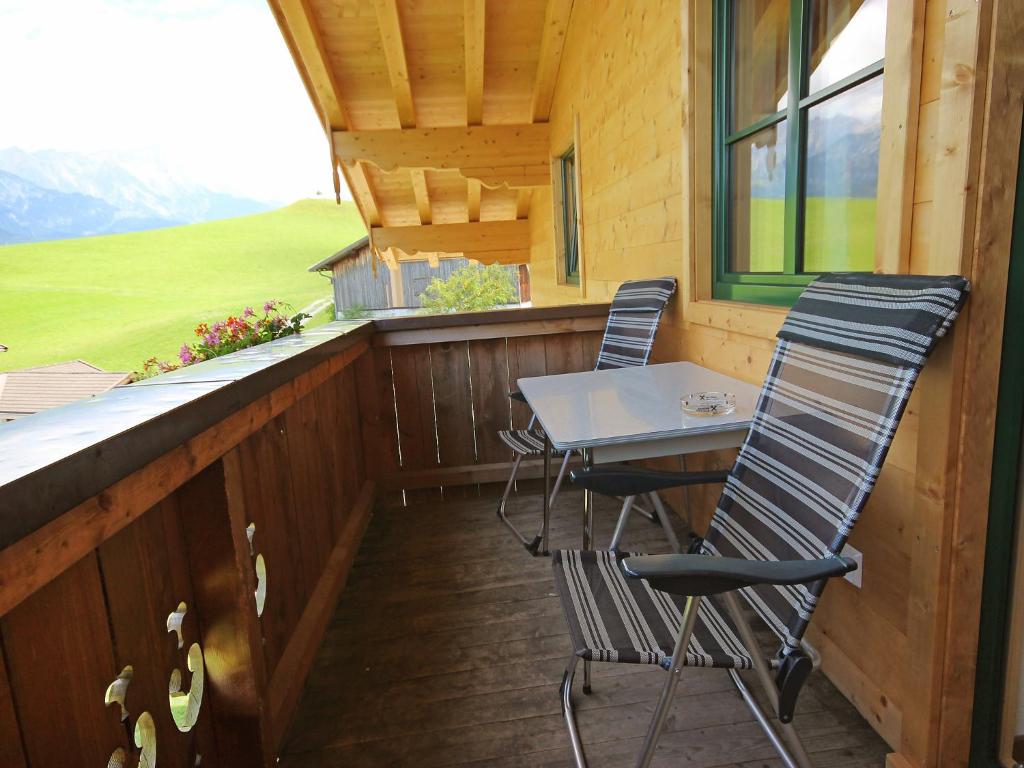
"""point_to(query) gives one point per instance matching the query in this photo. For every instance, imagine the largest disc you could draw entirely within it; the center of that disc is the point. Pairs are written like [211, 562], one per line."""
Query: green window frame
[777, 288]
[570, 235]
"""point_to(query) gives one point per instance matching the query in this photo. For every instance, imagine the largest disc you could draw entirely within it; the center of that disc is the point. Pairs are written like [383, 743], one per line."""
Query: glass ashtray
[708, 403]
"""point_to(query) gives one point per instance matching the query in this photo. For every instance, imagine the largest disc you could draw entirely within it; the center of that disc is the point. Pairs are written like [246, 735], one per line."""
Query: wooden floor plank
[448, 646]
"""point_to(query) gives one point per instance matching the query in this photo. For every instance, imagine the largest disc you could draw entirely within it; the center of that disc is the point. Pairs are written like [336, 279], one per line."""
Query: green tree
[469, 289]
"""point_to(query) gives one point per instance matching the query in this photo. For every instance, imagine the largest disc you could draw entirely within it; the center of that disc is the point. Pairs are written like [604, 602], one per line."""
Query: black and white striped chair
[628, 337]
[847, 358]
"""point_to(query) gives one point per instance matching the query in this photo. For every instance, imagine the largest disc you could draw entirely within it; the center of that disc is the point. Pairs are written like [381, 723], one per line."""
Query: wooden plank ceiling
[436, 113]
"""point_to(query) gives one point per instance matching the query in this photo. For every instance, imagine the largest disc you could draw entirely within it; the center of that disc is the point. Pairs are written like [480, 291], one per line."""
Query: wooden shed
[361, 282]
[316, 517]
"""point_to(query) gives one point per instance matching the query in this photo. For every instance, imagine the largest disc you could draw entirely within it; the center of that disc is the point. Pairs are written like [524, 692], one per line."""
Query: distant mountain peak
[100, 193]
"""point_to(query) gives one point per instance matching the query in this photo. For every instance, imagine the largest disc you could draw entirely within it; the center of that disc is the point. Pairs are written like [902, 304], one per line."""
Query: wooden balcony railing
[171, 552]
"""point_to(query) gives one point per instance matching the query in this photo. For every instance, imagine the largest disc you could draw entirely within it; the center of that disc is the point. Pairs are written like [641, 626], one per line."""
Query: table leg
[588, 543]
[547, 496]
[588, 507]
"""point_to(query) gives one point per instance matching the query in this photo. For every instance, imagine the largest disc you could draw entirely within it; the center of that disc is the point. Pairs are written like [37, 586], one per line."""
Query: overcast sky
[206, 87]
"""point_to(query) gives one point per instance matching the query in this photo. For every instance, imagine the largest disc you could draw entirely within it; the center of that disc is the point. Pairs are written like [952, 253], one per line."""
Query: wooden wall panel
[270, 507]
[414, 399]
[644, 165]
[146, 576]
[489, 365]
[225, 607]
[60, 658]
[376, 412]
[11, 753]
[453, 404]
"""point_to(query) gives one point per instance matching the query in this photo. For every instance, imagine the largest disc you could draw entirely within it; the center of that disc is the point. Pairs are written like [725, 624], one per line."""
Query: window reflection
[846, 36]
[843, 138]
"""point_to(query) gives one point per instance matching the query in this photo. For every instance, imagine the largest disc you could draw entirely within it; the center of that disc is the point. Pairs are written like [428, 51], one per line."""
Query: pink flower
[248, 312]
[211, 339]
[267, 306]
[185, 355]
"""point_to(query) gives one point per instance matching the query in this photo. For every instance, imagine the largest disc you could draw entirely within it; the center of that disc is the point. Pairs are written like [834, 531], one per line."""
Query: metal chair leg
[666, 522]
[620, 526]
[504, 501]
[669, 689]
[795, 756]
[570, 717]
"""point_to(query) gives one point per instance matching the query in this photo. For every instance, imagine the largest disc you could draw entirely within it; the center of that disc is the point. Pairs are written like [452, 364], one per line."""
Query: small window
[569, 246]
[796, 176]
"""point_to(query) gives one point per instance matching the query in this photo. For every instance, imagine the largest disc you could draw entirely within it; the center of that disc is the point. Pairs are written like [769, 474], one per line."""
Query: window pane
[843, 135]
[846, 36]
[760, 59]
[569, 212]
[757, 201]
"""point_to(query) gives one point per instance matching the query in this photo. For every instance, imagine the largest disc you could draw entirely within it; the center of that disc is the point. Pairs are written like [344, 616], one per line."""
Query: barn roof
[349, 250]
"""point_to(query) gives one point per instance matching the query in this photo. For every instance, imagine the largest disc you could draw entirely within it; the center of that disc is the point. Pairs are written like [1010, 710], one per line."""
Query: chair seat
[613, 617]
[526, 442]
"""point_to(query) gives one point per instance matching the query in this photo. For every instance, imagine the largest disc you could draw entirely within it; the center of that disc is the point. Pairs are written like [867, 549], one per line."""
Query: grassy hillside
[116, 300]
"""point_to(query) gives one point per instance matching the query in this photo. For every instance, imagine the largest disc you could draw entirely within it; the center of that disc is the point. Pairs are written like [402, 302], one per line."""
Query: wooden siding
[644, 119]
[361, 284]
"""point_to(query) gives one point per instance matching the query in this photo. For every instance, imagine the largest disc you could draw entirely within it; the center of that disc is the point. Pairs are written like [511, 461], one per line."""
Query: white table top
[632, 405]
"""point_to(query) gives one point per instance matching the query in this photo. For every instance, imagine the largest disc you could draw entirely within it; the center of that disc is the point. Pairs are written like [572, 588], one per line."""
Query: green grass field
[117, 300]
[840, 234]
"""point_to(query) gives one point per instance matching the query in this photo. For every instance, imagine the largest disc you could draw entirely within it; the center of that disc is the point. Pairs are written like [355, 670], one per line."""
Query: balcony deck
[447, 648]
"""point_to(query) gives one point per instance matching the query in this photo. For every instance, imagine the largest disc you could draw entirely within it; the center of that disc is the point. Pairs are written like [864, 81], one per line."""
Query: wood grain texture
[448, 644]
[60, 660]
[11, 752]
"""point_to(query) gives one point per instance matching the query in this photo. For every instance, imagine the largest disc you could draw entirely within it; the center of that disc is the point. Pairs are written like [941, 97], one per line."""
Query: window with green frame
[795, 177]
[570, 245]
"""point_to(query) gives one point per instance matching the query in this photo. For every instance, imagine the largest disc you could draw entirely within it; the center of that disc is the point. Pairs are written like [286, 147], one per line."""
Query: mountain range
[49, 195]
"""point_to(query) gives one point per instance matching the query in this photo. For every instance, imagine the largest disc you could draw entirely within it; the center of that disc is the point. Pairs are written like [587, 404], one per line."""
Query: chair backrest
[847, 358]
[633, 321]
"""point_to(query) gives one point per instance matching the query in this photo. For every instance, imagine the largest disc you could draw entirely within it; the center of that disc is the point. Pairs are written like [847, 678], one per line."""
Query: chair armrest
[620, 480]
[709, 575]
[517, 395]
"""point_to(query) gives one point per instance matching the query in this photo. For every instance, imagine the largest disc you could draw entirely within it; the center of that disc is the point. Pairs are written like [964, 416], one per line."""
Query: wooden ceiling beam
[298, 25]
[496, 155]
[394, 53]
[473, 199]
[359, 185]
[419, 188]
[505, 242]
[474, 15]
[556, 21]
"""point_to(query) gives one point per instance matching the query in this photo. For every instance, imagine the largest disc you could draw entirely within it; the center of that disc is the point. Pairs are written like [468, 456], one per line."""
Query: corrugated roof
[25, 392]
[349, 250]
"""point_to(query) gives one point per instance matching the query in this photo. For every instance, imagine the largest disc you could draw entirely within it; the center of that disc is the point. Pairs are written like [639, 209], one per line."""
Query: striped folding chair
[628, 337]
[847, 358]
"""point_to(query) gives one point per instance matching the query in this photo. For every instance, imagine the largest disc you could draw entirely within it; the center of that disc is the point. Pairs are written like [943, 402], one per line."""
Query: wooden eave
[435, 113]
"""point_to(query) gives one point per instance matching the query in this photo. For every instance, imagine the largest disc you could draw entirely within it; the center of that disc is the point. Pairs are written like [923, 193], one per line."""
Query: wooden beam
[904, 44]
[512, 155]
[505, 242]
[361, 190]
[298, 25]
[524, 197]
[419, 188]
[556, 20]
[473, 199]
[474, 17]
[394, 53]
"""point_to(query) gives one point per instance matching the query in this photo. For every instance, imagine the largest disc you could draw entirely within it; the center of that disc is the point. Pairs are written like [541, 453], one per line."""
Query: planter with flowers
[230, 335]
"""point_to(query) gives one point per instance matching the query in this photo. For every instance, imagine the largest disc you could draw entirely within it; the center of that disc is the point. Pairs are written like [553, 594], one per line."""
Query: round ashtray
[708, 403]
